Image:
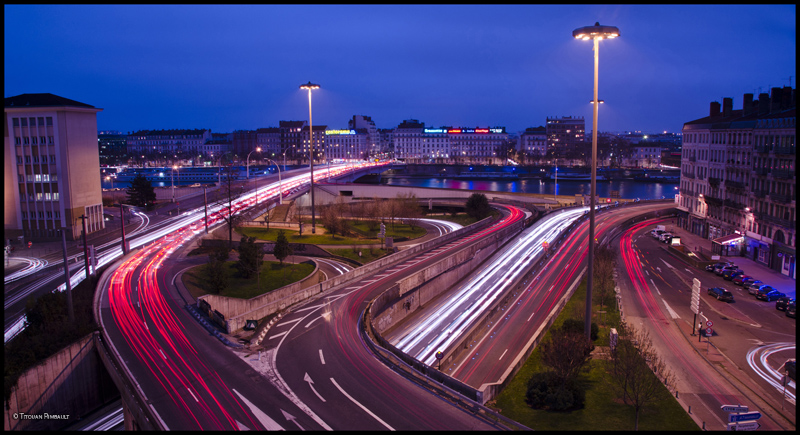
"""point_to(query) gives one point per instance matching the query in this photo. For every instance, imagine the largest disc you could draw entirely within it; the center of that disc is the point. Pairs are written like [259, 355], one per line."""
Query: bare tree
[226, 196]
[635, 370]
[604, 262]
[567, 352]
[298, 218]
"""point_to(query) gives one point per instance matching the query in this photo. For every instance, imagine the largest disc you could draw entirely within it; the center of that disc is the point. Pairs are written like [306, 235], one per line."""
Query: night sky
[240, 67]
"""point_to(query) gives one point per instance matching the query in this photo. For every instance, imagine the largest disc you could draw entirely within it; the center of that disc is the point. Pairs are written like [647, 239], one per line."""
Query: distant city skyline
[228, 68]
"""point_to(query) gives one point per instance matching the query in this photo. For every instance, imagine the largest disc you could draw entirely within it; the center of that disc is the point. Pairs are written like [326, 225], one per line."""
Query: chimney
[775, 100]
[763, 104]
[727, 107]
[786, 100]
[747, 105]
[714, 109]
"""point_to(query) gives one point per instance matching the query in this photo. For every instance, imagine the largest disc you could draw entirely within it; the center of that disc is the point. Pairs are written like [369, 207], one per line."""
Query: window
[52, 158]
[41, 121]
[19, 160]
[26, 140]
[38, 196]
[16, 122]
[33, 122]
[27, 159]
[49, 138]
[17, 141]
[49, 215]
[55, 198]
[57, 213]
[49, 121]
[24, 215]
[24, 122]
[47, 196]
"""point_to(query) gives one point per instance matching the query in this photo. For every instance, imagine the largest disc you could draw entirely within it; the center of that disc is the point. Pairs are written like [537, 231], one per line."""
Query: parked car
[664, 236]
[721, 271]
[783, 303]
[767, 293]
[791, 310]
[752, 286]
[719, 266]
[712, 267]
[656, 233]
[740, 279]
[721, 294]
[730, 274]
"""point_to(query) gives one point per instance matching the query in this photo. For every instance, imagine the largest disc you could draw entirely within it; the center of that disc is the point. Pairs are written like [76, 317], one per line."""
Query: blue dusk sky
[240, 67]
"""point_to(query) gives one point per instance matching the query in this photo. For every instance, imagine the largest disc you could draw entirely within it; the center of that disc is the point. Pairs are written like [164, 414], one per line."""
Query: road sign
[732, 418]
[749, 425]
[709, 331]
[735, 408]
[439, 355]
[709, 323]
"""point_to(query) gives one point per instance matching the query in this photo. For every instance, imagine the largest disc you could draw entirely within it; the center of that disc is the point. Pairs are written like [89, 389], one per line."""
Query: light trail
[440, 329]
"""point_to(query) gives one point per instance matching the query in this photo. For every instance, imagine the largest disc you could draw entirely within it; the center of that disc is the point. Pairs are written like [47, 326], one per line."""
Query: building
[168, 141]
[413, 144]
[477, 145]
[416, 144]
[566, 137]
[319, 143]
[738, 178]
[113, 147]
[532, 144]
[348, 144]
[373, 135]
[647, 156]
[51, 169]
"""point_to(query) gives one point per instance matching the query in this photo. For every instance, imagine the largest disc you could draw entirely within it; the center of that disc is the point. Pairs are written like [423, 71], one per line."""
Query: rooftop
[42, 100]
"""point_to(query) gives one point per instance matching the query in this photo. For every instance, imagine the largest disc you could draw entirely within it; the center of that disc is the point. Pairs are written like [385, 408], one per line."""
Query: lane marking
[310, 382]
[321, 358]
[264, 419]
[671, 311]
[360, 405]
[195, 397]
[501, 356]
[312, 321]
[278, 335]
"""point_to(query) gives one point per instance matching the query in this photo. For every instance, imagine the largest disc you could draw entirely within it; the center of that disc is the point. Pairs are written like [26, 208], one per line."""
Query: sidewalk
[759, 271]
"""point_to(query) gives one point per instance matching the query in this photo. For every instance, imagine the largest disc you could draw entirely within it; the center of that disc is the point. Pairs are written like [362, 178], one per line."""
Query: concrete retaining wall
[284, 297]
[73, 382]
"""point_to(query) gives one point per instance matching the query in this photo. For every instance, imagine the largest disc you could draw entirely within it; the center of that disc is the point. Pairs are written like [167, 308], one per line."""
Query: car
[790, 368]
[656, 233]
[752, 285]
[663, 236]
[710, 267]
[668, 239]
[783, 303]
[729, 274]
[768, 294]
[719, 266]
[721, 294]
[719, 272]
[741, 278]
[791, 310]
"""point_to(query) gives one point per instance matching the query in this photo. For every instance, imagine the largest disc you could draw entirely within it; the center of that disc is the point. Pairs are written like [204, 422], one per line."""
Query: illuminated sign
[434, 130]
[455, 130]
[330, 132]
[481, 130]
[496, 130]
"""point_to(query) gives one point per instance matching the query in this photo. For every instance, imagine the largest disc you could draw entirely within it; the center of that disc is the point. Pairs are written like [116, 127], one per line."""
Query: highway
[750, 338]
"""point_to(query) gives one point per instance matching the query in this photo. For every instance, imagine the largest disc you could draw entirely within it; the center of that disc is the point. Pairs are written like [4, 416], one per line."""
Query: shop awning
[730, 239]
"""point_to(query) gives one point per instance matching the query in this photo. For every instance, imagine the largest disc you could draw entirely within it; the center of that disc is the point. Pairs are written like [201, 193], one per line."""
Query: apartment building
[168, 141]
[532, 144]
[738, 178]
[565, 136]
[51, 168]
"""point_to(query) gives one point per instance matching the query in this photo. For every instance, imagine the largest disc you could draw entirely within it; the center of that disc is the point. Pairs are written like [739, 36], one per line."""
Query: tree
[214, 271]
[250, 257]
[634, 368]
[604, 262]
[566, 353]
[282, 249]
[477, 206]
[226, 196]
[141, 192]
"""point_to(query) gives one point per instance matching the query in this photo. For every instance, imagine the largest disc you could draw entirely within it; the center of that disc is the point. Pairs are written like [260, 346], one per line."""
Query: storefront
[728, 246]
[784, 260]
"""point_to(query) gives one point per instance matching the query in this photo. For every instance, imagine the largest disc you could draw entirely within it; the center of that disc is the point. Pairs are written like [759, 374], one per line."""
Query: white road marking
[654, 286]
[195, 397]
[529, 318]
[671, 311]
[501, 356]
[278, 335]
[312, 321]
[264, 419]
[321, 358]
[307, 378]
[361, 406]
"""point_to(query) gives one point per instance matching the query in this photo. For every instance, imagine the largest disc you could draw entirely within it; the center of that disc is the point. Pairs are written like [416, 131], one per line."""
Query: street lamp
[248, 160]
[596, 33]
[310, 86]
[284, 157]
[280, 184]
[172, 180]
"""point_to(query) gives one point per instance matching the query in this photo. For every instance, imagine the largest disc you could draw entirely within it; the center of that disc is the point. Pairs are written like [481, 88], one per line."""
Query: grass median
[272, 276]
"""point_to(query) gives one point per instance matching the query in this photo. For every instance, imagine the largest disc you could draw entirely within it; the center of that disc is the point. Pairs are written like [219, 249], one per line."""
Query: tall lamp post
[596, 33]
[248, 160]
[280, 183]
[310, 86]
[172, 180]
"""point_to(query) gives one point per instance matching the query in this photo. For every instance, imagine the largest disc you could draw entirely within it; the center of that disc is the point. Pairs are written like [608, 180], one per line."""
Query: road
[656, 292]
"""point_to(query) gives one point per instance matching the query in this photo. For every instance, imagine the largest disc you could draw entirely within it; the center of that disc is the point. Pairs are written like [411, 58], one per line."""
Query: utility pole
[122, 221]
[85, 246]
[205, 206]
[70, 310]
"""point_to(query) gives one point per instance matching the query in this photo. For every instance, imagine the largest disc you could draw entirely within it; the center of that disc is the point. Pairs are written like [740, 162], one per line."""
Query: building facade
[168, 141]
[532, 144]
[112, 147]
[738, 178]
[347, 144]
[365, 123]
[51, 169]
[565, 136]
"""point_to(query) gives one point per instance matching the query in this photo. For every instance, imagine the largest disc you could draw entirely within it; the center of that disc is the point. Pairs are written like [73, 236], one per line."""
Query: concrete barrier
[70, 384]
